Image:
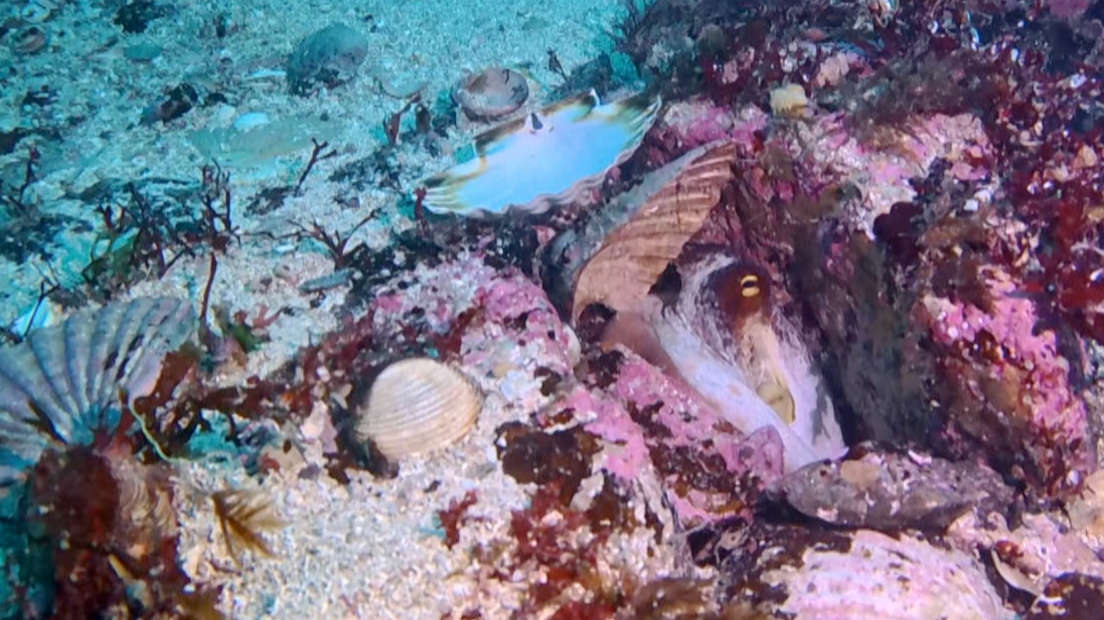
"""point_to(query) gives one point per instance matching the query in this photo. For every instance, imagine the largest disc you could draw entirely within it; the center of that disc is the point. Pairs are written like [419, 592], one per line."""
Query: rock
[325, 59]
[1072, 596]
[893, 491]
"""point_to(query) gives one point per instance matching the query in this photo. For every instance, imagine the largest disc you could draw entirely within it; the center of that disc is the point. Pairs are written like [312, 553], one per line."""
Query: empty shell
[417, 405]
[65, 381]
[633, 256]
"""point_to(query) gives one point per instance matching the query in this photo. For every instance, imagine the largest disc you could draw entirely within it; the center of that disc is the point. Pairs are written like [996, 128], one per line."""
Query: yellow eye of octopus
[749, 286]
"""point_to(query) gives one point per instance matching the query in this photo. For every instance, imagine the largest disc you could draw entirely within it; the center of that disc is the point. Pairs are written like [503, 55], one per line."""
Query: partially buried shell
[491, 93]
[807, 573]
[633, 256]
[417, 405]
[64, 382]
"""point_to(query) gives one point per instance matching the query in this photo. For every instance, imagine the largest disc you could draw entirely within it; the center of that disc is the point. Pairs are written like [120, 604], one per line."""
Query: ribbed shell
[64, 381]
[633, 256]
[417, 405]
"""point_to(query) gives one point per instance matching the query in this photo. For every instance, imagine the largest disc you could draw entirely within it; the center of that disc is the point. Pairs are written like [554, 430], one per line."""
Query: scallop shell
[885, 578]
[548, 158]
[633, 256]
[807, 573]
[417, 405]
[64, 382]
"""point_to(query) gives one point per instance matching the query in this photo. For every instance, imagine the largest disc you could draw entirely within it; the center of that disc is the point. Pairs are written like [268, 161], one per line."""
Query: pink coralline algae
[826, 153]
[439, 294]
[707, 466]
[689, 124]
[516, 299]
[626, 454]
[1009, 385]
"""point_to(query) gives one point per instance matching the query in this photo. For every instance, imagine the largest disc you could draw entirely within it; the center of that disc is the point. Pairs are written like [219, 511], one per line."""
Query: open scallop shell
[633, 256]
[417, 405]
[547, 158]
[64, 382]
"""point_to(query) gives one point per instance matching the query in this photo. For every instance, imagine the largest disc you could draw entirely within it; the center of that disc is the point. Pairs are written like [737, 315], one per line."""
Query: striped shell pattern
[64, 382]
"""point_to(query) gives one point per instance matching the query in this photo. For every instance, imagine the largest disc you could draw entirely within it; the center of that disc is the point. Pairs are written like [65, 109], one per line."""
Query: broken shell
[417, 405]
[547, 158]
[491, 93]
[30, 40]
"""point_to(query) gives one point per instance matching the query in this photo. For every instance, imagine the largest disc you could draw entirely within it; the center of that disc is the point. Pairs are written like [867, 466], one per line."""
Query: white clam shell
[417, 405]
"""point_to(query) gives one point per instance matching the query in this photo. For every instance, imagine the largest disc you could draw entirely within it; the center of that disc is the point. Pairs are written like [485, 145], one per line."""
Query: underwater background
[584, 309]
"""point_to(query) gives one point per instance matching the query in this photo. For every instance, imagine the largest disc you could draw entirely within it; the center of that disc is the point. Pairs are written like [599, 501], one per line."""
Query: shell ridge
[165, 333]
[20, 367]
[76, 353]
[127, 332]
[48, 347]
[418, 405]
[99, 351]
[17, 419]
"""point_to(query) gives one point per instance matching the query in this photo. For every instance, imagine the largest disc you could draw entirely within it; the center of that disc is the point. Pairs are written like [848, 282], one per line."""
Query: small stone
[891, 492]
[325, 59]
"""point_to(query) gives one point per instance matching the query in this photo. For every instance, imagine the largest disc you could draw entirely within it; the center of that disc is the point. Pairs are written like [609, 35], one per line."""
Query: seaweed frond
[243, 515]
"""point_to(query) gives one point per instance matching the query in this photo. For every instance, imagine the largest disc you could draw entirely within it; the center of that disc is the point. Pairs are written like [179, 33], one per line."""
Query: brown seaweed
[243, 515]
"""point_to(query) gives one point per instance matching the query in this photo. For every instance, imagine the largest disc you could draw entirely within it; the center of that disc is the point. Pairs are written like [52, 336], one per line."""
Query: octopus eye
[749, 286]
